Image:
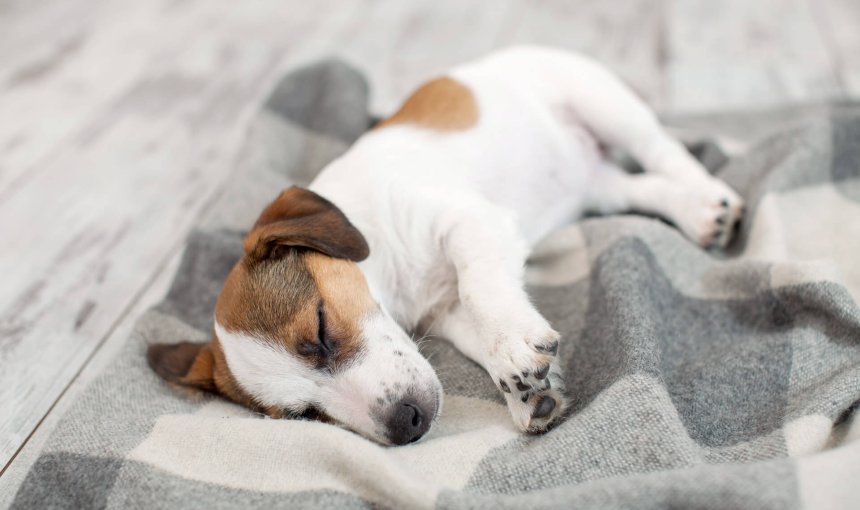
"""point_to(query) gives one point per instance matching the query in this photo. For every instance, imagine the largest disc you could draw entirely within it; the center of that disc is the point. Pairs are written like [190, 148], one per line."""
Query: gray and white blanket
[698, 380]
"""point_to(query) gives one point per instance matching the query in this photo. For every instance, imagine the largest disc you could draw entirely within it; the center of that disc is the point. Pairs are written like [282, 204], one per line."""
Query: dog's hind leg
[704, 219]
[583, 92]
[590, 95]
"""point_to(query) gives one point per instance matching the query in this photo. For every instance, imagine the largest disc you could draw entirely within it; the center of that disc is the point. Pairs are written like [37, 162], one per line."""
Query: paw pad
[544, 406]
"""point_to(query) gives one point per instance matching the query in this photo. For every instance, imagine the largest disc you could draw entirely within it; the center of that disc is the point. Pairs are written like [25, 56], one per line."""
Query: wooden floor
[119, 121]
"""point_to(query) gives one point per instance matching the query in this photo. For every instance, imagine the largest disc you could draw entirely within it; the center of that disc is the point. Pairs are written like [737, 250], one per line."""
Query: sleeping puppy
[427, 220]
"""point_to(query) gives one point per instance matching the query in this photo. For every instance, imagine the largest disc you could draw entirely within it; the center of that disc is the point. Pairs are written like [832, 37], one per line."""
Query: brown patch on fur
[199, 366]
[264, 297]
[347, 301]
[277, 301]
[274, 300]
[443, 104]
[301, 218]
[299, 254]
[185, 363]
[274, 292]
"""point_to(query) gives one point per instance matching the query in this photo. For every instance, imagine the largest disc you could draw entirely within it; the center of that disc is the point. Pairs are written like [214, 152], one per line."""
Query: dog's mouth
[392, 409]
[310, 413]
[406, 419]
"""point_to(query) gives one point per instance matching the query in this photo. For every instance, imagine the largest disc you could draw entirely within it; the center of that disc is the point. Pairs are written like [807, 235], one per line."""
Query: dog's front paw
[535, 410]
[710, 213]
[523, 367]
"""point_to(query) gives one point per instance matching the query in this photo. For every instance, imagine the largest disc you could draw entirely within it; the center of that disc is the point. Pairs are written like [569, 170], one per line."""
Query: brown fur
[277, 300]
[344, 291]
[185, 363]
[199, 366]
[301, 218]
[443, 104]
[299, 254]
[264, 297]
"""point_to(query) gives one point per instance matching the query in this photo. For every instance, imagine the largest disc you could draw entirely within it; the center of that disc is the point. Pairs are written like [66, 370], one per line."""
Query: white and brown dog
[428, 220]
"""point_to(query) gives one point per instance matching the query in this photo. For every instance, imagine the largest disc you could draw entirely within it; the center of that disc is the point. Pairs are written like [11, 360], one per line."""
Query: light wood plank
[410, 42]
[31, 32]
[839, 24]
[743, 54]
[58, 84]
[401, 44]
[625, 35]
[63, 64]
[90, 228]
[155, 290]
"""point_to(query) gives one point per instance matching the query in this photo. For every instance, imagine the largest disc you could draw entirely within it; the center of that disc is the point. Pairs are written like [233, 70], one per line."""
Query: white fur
[387, 368]
[450, 216]
[273, 376]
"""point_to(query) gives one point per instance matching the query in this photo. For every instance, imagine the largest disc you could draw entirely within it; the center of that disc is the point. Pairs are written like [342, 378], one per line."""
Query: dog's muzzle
[409, 419]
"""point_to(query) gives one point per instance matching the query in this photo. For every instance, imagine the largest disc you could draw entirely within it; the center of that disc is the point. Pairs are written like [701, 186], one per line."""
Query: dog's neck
[396, 266]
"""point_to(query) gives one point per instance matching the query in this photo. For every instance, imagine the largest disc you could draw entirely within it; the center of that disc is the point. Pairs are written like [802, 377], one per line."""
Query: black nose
[407, 422]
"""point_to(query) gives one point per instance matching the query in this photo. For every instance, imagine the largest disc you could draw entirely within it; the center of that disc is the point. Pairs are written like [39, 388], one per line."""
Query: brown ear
[301, 218]
[184, 363]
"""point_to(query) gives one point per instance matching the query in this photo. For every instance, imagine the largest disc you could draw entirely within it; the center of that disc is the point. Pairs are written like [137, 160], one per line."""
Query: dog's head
[297, 331]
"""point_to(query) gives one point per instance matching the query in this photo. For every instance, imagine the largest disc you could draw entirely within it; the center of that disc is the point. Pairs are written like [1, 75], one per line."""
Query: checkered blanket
[698, 380]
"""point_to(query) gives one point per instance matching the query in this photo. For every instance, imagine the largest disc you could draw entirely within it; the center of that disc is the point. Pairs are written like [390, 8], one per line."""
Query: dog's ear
[301, 218]
[185, 363]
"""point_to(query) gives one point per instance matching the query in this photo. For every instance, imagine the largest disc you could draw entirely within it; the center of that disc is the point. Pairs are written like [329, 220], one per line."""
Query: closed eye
[322, 334]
